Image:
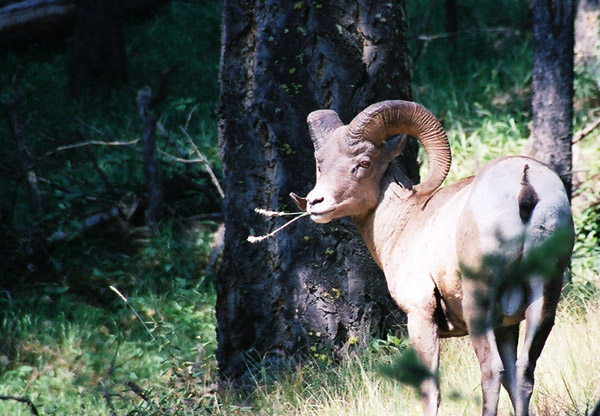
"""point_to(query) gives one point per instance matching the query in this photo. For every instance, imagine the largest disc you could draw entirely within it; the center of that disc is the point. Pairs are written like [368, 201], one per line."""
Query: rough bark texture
[553, 85]
[98, 63]
[311, 285]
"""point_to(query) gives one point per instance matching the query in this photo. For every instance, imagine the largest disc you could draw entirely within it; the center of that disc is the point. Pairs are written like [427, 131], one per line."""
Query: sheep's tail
[527, 198]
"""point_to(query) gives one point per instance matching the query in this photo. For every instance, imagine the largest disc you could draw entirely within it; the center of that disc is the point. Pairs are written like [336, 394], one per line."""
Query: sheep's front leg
[423, 333]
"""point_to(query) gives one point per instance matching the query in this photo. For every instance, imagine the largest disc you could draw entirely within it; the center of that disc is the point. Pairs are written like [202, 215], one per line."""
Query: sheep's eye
[365, 164]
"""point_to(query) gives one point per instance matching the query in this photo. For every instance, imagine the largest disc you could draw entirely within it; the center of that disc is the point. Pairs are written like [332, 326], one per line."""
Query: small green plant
[408, 369]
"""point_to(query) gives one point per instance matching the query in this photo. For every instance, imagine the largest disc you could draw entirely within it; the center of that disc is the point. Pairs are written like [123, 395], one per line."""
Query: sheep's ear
[300, 202]
[395, 146]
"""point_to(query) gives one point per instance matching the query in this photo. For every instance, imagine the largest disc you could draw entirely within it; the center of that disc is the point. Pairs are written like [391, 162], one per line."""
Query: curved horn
[321, 124]
[387, 118]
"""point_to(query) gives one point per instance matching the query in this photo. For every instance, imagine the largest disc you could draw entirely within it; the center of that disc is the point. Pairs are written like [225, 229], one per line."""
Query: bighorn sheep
[432, 244]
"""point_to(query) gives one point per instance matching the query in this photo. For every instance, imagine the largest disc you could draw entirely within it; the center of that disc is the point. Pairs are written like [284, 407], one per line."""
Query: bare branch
[586, 130]
[426, 39]
[22, 399]
[70, 147]
[189, 117]
[204, 161]
[95, 129]
[178, 159]
[134, 387]
[84, 144]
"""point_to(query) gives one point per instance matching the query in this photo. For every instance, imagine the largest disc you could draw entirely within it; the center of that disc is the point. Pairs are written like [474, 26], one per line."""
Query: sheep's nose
[314, 199]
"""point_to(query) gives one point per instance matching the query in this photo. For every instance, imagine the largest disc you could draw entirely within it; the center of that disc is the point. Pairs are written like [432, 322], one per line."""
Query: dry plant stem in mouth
[267, 213]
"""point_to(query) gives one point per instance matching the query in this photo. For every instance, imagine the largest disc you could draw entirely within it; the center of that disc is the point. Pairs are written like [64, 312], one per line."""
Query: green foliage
[74, 185]
[407, 369]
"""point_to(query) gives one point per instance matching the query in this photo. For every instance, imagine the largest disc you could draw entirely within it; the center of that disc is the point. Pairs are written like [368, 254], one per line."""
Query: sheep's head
[351, 160]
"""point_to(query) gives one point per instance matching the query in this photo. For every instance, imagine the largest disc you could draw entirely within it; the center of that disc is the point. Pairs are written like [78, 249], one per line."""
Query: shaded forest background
[75, 197]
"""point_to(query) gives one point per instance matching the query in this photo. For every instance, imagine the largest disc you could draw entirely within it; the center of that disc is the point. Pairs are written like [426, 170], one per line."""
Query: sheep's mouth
[317, 216]
[321, 217]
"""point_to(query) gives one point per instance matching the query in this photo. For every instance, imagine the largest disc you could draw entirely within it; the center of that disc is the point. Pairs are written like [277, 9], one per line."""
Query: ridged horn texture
[388, 118]
[321, 124]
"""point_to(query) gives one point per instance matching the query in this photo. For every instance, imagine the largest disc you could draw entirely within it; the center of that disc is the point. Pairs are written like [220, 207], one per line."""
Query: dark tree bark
[98, 63]
[553, 85]
[311, 285]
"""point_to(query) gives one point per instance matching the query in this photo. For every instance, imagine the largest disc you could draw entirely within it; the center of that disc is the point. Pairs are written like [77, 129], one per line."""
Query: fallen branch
[34, 18]
[88, 223]
[586, 130]
[22, 399]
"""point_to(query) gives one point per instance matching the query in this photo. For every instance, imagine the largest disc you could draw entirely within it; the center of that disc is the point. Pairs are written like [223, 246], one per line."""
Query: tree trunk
[98, 62]
[310, 286]
[553, 85]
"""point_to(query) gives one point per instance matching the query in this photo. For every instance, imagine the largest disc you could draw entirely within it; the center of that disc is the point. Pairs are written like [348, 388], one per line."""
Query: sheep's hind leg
[507, 339]
[543, 300]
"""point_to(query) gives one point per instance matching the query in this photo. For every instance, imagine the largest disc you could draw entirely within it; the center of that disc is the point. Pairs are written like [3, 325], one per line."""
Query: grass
[68, 343]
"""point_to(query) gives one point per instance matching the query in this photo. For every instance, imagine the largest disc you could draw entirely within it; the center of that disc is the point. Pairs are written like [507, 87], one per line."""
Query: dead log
[22, 22]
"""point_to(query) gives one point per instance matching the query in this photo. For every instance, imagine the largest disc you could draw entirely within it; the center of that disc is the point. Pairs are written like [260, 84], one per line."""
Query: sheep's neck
[382, 226]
